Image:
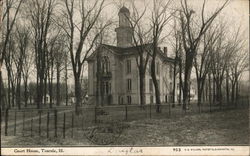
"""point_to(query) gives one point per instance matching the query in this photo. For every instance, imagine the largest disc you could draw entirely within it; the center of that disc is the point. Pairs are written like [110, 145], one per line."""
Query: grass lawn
[229, 127]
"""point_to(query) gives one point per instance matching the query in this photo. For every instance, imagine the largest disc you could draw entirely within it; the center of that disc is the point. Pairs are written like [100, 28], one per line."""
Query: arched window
[105, 64]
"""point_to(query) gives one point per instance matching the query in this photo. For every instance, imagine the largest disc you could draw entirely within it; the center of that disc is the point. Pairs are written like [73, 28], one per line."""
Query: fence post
[64, 119]
[6, 121]
[23, 122]
[210, 106]
[15, 125]
[95, 114]
[39, 123]
[47, 124]
[169, 111]
[82, 121]
[126, 112]
[31, 127]
[150, 110]
[55, 111]
[72, 125]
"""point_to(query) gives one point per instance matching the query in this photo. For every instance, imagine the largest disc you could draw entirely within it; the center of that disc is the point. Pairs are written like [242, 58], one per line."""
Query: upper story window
[129, 85]
[128, 66]
[150, 85]
[170, 71]
[105, 64]
[106, 87]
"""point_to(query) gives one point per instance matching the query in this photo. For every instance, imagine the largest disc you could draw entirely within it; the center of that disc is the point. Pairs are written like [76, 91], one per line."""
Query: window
[129, 84]
[157, 68]
[128, 66]
[151, 99]
[129, 99]
[105, 64]
[150, 85]
[120, 100]
[107, 87]
[170, 71]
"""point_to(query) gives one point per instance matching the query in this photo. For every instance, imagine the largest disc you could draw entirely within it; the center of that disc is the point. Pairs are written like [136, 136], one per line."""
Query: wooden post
[48, 125]
[31, 127]
[23, 122]
[15, 125]
[126, 112]
[6, 121]
[82, 122]
[64, 120]
[150, 110]
[72, 125]
[210, 106]
[55, 112]
[169, 109]
[95, 114]
[39, 130]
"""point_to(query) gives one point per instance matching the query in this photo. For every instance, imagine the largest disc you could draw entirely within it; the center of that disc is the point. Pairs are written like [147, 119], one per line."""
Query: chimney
[165, 50]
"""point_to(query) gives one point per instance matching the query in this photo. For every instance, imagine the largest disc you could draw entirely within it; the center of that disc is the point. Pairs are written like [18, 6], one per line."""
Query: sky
[236, 13]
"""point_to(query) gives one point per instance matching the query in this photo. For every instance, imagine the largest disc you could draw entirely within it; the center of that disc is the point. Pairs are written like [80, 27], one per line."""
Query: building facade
[113, 75]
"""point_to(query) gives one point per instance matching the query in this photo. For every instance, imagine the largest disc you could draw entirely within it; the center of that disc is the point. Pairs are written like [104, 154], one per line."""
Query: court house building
[113, 75]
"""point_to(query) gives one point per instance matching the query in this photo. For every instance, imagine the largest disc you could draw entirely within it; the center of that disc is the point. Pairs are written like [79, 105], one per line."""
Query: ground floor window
[151, 99]
[129, 99]
[120, 100]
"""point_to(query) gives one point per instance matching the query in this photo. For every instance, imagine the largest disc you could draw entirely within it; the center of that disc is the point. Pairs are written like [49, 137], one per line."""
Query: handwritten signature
[126, 151]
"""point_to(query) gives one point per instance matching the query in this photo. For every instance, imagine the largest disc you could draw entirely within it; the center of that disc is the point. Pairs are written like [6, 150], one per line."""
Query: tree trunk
[210, 91]
[214, 90]
[154, 79]
[45, 91]
[180, 83]
[77, 94]
[188, 69]
[18, 92]
[25, 92]
[58, 85]
[199, 89]
[227, 87]
[66, 82]
[233, 92]
[13, 90]
[9, 92]
[142, 88]
[174, 84]
[51, 87]
[2, 92]
[237, 91]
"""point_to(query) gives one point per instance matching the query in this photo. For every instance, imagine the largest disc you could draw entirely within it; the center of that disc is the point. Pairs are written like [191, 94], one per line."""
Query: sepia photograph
[124, 75]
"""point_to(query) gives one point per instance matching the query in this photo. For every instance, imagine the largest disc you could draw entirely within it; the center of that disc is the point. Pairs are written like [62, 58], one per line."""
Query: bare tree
[9, 14]
[11, 71]
[177, 66]
[191, 35]
[159, 19]
[22, 38]
[141, 39]
[80, 50]
[202, 61]
[221, 53]
[237, 63]
[40, 13]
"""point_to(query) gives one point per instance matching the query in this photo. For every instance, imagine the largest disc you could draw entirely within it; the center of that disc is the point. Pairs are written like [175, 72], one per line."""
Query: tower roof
[124, 10]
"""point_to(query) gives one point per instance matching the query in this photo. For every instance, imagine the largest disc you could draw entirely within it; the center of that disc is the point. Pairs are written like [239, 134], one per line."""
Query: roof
[124, 10]
[129, 51]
